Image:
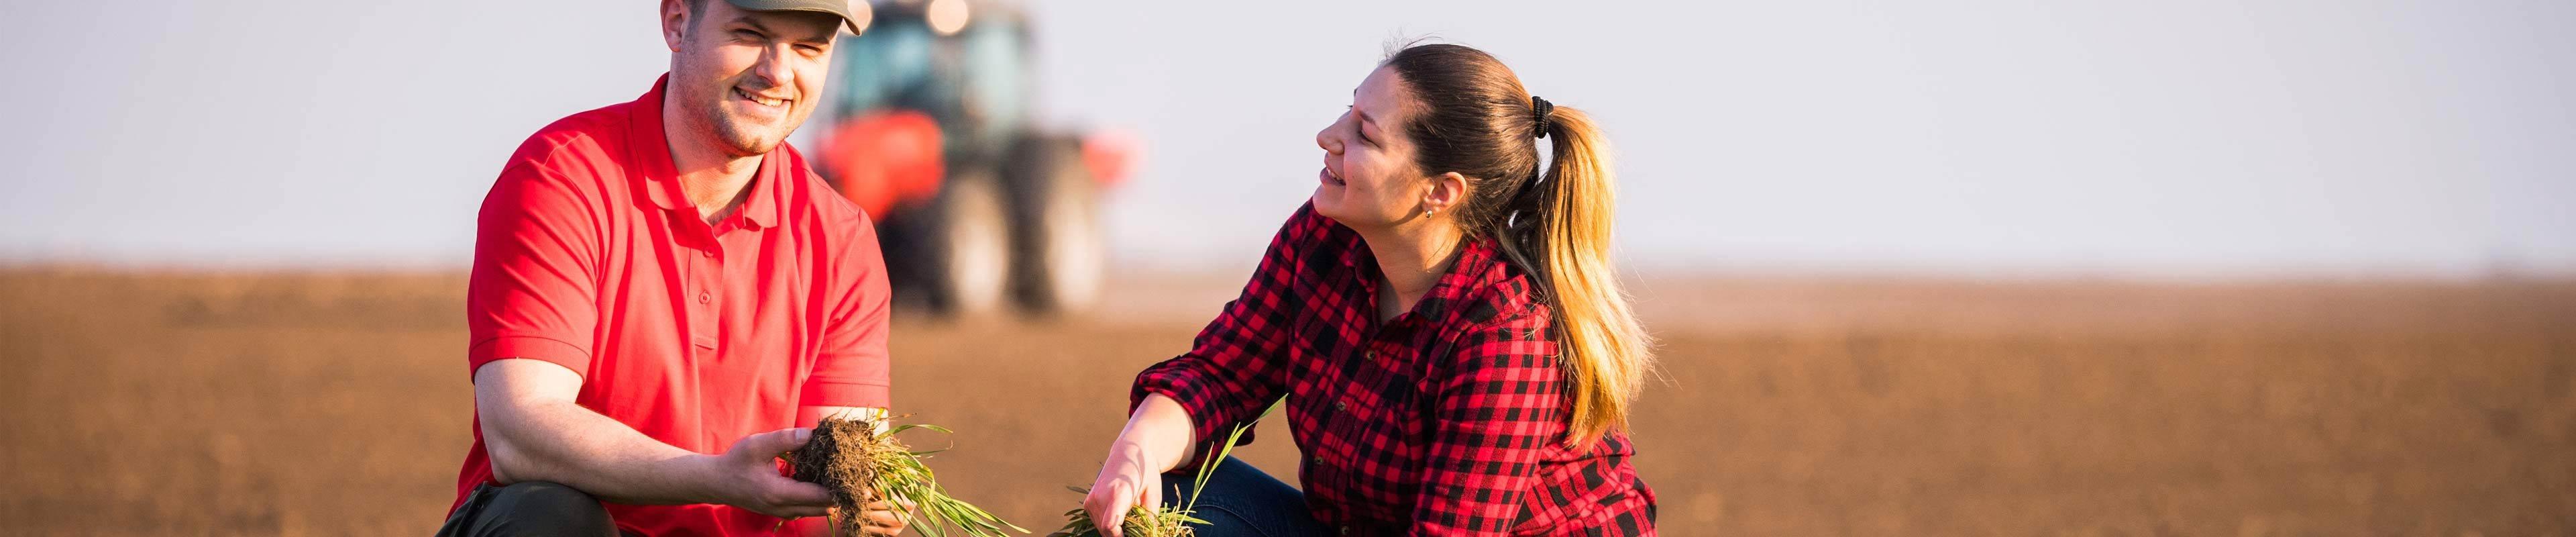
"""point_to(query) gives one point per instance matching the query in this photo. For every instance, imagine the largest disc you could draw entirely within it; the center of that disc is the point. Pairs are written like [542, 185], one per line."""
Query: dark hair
[1474, 118]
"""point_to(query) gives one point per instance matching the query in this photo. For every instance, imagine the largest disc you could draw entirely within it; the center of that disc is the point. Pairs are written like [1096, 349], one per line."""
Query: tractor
[927, 125]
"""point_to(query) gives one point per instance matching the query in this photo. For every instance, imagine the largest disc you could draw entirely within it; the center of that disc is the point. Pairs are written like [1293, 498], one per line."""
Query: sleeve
[854, 368]
[1234, 369]
[533, 288]
[1498, 409]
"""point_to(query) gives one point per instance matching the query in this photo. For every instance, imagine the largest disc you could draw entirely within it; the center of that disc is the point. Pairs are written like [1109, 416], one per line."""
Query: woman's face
[1369, 179]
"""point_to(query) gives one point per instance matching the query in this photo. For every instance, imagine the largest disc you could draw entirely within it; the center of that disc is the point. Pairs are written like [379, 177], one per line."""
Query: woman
[1442, 320]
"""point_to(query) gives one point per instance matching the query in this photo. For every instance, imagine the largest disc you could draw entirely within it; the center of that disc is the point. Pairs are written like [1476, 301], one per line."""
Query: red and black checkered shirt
[1449, 419]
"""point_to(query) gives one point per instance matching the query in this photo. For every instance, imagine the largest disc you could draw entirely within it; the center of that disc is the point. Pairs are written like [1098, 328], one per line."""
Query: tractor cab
[927, 125]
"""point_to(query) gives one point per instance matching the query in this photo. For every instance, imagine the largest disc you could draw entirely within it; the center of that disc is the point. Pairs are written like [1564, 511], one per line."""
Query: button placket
[1342, 402]
[705, 273]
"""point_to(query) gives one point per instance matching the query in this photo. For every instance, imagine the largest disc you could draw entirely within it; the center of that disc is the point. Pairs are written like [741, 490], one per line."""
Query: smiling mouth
[763, 101]
[1333, 178]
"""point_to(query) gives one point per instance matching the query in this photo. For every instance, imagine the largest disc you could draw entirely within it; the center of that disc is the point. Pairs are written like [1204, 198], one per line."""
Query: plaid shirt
[1449, 419]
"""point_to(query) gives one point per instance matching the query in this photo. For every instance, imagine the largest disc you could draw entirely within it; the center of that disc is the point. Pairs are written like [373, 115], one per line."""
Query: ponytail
[1552, 221]
[1604, 352]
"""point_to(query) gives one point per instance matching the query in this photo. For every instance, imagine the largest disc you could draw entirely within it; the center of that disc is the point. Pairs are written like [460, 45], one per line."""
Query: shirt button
[1319, 460]
[704, 296]
[1372, 355]
[1342, 405]
[1346, 530]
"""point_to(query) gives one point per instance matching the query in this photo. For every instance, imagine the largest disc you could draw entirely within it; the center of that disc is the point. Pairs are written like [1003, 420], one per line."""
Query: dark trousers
[528, 509]
[1240, 501]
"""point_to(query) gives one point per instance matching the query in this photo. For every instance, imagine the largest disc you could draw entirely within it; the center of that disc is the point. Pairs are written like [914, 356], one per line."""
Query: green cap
[855, 16]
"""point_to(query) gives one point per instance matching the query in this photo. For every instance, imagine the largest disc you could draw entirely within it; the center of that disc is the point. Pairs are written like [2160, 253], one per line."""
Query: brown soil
[837, 458]
[336, 404]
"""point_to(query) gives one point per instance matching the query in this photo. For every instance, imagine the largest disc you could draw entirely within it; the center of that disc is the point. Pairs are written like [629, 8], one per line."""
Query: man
[665, 298]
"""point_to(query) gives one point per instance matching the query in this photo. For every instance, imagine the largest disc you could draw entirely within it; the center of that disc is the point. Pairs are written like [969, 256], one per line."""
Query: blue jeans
[1241, 501]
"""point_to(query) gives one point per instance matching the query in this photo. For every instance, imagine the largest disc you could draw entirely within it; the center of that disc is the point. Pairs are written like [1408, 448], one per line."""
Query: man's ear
[1444, 192]
[675, 19]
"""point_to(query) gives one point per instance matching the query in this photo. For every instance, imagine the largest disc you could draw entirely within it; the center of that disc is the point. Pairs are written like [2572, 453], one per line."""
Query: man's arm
[532, 310]
[535, 432]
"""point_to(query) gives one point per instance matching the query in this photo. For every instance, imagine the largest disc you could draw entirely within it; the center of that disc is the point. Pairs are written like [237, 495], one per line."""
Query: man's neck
[711, 179]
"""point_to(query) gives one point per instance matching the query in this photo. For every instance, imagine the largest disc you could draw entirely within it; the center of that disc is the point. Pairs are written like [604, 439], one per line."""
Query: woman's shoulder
[1495, 323]
[1492, 292]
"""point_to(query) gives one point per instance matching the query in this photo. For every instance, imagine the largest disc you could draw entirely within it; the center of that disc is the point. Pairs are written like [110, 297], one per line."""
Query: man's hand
[746, 476]
[882, 519]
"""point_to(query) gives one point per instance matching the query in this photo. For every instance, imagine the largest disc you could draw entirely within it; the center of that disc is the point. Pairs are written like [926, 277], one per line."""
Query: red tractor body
[927, 127]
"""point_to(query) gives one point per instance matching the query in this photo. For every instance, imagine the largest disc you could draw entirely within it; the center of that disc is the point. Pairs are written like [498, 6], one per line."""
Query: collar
[1479, 266]
[649, 150]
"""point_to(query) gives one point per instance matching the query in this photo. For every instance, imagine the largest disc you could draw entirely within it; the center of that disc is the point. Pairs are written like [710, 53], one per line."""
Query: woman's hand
[1126, 481]
[1156, 439]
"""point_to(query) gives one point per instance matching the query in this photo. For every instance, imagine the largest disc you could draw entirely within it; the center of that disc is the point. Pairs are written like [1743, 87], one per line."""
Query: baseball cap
[854, 13]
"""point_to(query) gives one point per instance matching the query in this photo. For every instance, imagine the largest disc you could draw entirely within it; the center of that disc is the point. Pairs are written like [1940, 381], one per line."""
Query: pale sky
[2149, 138]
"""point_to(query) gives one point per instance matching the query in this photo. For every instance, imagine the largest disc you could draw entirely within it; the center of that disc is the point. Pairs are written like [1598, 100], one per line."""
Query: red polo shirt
[587, 255]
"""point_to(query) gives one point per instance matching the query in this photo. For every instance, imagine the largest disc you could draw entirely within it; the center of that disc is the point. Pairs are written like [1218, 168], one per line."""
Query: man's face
[746, 78]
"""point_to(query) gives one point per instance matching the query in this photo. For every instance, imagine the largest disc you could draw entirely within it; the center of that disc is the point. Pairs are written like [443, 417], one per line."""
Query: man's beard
[737, 135]
[742, 136]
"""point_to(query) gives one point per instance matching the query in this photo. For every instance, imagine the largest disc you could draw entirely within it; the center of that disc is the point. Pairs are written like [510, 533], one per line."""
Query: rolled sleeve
[1236, 366]
[1216, 397]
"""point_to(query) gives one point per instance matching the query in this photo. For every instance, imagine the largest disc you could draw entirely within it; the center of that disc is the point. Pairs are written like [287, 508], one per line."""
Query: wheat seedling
[1158, 521]
[860, 461]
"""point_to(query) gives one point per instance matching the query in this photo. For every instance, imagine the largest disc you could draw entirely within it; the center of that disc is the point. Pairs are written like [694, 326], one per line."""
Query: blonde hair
[1476, 119]
[1606, 353]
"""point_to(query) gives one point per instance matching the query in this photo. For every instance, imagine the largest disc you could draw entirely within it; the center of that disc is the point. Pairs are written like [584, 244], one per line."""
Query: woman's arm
[1235, 367]
[1156, 440]
[1160, 431]
[1233, 371]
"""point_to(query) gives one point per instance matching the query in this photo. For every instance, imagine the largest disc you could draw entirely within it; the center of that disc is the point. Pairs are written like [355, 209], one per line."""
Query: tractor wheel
[969, 247]
[1061, 251]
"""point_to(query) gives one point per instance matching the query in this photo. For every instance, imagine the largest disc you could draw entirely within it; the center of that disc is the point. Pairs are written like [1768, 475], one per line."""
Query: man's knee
[534, 508]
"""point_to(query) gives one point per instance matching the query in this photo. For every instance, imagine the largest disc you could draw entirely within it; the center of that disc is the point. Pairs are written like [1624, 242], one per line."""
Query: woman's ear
[1444, 192]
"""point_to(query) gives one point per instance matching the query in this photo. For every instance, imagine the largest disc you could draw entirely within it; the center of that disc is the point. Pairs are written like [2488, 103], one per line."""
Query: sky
[2179, 138]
